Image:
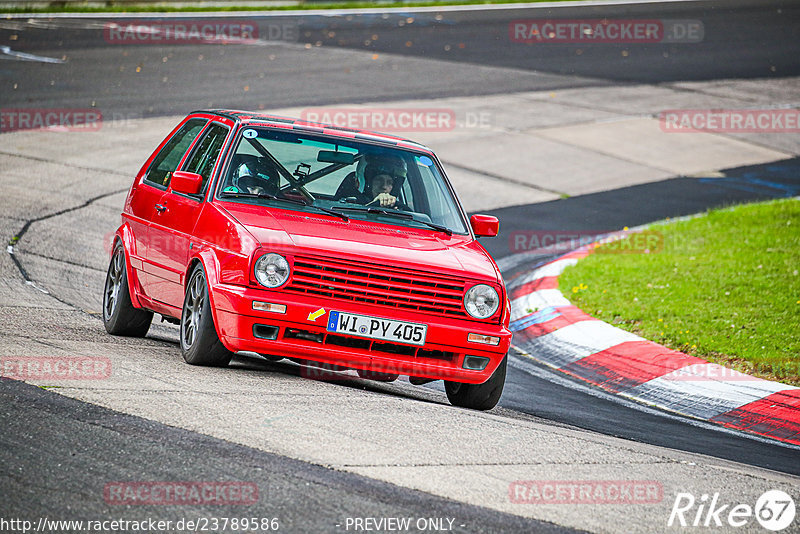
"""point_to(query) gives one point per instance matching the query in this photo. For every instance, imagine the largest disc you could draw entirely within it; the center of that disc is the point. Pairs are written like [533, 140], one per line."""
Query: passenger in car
[250, 177]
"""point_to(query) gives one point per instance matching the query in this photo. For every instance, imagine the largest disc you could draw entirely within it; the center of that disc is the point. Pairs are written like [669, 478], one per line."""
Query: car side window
[168, 159]
[207, 152]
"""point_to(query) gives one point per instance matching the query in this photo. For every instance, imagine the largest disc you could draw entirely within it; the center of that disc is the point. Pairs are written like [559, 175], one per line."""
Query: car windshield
[359, 180]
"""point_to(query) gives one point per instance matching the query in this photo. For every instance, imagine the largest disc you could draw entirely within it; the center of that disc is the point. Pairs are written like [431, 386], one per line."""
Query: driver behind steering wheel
[356, 186]
[382, 187]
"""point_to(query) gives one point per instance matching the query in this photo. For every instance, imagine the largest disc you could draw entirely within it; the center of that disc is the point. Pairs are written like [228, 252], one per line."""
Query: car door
[176, 216]
[148, 193]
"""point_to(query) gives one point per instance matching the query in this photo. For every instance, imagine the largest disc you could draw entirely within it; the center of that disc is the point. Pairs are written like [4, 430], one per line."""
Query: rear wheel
[120, 317]
[478, 396]
[200, 344]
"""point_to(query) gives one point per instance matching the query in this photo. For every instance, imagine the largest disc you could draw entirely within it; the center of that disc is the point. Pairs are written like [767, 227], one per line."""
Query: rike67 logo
[774, 510]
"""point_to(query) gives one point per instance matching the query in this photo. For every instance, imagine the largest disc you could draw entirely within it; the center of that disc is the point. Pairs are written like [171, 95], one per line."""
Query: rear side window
[168, 159]
[207, 152]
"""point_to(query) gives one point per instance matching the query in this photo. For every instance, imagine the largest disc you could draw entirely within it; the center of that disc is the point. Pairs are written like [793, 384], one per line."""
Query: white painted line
[703, 397]
[22, 56]
[535, 301]
[596, 334]
[553, 269]
[577, 341]
[532, 365]
[719, 373]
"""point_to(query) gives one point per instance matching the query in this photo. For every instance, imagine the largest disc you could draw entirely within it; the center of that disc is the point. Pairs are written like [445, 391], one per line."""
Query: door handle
[160, 208]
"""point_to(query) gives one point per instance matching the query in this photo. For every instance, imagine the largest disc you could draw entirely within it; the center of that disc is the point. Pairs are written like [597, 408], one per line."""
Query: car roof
[330, 130]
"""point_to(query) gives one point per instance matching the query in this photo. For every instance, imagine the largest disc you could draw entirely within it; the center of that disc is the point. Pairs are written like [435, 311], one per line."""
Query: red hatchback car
[328, 246]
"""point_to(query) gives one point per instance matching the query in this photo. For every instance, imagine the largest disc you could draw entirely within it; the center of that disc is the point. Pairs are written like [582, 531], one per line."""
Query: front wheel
[478, 396]
[120, 317]
[200, 344]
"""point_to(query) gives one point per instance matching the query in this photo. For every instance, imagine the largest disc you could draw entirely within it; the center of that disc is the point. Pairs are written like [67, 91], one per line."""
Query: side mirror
[484, 225]
[188, 183]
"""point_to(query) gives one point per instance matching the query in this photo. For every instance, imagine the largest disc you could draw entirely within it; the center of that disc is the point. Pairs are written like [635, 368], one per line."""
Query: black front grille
[382, 286]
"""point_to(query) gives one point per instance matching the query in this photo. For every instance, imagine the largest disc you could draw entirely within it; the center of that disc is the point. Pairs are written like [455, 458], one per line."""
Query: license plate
[377, 328]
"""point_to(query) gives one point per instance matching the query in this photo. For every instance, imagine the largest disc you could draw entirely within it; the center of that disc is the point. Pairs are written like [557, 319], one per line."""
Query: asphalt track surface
[740, 41]
[86, 443]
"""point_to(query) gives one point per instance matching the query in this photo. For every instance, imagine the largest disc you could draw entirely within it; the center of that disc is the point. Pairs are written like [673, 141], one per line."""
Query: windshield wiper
[398, 214]
[435, 226]
[342, 216]
[261, 195]
[392, 213]
[283, 199]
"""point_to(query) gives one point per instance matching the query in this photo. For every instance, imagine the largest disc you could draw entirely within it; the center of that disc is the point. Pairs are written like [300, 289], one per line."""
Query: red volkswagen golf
[324, 245]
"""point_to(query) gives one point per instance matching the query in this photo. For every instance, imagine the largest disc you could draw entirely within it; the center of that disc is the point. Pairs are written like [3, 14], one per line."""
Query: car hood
[367, 241]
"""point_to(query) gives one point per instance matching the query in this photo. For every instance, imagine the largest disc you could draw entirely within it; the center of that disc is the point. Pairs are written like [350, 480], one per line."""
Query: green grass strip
[725, 287]
[166, 8]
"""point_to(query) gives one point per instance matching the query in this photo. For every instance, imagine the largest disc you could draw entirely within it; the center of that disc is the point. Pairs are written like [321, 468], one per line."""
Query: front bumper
[301, 333]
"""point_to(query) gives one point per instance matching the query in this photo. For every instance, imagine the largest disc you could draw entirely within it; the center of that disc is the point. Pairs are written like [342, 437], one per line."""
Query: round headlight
[481, 301]
[272, 270]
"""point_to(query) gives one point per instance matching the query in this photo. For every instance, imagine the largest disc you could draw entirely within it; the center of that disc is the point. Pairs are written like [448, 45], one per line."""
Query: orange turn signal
[486, 340]
[269, 307]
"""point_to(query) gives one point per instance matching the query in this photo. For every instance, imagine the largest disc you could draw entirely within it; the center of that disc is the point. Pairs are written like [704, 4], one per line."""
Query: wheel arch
[208, 260]
[124, 236]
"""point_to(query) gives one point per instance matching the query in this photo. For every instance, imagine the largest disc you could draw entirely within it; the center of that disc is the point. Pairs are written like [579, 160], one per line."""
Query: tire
[377, 376]
[120, 317]
[200, 344]
[478, 396]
